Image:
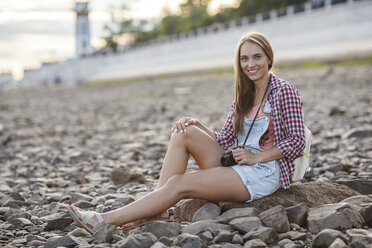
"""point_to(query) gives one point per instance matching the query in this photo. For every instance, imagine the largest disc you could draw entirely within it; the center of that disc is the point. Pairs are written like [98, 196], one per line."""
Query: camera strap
[255, 117]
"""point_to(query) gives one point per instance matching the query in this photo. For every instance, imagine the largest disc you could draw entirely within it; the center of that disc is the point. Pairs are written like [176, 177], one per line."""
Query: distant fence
[294, 33]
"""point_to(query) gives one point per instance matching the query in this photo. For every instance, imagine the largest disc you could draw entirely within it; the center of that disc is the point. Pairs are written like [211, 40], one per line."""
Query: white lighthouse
[83, 46]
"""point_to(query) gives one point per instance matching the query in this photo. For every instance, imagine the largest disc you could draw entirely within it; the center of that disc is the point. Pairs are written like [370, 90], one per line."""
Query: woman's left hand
[244, 156]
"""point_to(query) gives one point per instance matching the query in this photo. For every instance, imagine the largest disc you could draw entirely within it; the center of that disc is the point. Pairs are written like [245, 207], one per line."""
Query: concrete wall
[331, 31]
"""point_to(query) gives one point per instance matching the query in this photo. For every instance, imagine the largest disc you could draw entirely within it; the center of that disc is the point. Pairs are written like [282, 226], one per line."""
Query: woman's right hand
[183, 123]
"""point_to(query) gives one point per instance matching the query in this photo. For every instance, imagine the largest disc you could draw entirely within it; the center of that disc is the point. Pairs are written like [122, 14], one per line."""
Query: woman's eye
[243, 59]
[258, 56]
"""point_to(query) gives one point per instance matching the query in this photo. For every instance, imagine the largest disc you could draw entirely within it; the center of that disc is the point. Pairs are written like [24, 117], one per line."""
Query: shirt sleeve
[293, 123]
[225, 137]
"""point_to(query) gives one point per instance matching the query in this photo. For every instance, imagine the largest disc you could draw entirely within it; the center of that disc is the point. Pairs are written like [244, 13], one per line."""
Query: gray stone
[166, 241]
[338, 216]
[105, 234]
[266, 234]
[276, 218]
[186, 240]
[124, 175]
[237, 239]
[363, 186]
[81, 197]
[326, 237]
[20, 222]
[227, 245]
[208, 211]
[159, 245]
[31, 237]
[297, 214]
[19, 242]
[80, 232]
[363, 204]
[145, 240]
[185, 209]
[285, 242]
[65, 241]
[293, 235]
[36, 243]
[59, 222]
[246, 224]
[338, 243]
[256, 243]
[223, 236]
[312, 194]
[207, 235]
[360, 235]
[23, 215]
[237, 213]
[200, 226]
[358, 133]
[162, 228]
[84, 204]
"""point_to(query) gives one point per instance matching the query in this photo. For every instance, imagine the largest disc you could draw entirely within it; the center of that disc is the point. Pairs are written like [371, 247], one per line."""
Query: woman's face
[253, 61]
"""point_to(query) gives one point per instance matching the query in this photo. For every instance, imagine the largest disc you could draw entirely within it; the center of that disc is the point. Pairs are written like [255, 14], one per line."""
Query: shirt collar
[274, 83]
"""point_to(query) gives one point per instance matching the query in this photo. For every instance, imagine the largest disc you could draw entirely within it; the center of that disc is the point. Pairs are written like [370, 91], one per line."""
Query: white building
[83, 46]
[5, 79]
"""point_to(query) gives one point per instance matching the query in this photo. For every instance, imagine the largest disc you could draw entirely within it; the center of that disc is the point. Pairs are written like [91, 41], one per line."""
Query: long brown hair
[244, 87]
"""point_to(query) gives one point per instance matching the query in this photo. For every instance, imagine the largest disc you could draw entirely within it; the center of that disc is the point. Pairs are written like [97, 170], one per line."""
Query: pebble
[102, 147]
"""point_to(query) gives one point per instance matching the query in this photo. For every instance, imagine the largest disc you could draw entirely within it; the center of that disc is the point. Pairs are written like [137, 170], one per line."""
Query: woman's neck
[261, 86]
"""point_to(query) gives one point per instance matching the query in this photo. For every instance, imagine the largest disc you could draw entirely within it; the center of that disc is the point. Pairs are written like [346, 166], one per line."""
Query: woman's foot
[89, 220]
[163, 216]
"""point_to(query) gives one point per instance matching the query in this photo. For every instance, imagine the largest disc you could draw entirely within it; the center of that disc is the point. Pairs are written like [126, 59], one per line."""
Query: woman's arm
[183, 123]
[293, 141]
[244, 156]
[224, 138]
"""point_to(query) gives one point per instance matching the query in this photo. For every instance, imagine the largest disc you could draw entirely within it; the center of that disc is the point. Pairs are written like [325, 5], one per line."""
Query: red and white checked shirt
[288, 121]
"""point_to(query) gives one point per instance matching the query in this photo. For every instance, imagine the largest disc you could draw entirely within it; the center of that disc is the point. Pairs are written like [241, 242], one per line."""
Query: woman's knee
[190, 133]
[177, 184]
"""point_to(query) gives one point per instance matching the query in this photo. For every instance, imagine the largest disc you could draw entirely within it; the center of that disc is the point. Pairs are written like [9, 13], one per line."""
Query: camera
[227, 159]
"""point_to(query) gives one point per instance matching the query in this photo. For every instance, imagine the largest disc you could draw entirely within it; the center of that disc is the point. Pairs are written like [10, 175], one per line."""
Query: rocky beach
[103, 146]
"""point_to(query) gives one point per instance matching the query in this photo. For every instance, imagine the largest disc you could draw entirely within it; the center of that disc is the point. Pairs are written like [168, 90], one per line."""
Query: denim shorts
[260, 179]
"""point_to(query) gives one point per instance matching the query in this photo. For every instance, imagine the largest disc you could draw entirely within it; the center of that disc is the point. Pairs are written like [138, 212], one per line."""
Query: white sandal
[75, 213]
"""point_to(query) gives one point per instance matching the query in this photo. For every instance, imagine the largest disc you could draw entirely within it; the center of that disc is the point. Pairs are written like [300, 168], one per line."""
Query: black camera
[227, 159]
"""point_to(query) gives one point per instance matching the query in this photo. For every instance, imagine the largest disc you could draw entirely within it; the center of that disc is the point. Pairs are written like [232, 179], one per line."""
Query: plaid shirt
[288, 121]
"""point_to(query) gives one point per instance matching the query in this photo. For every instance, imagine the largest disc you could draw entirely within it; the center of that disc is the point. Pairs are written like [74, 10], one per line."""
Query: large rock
[358, 133]
[256, 243]
[246, 224]
[200, 226]
[58, 222]
[237, 213]
[276, 218]
[338, 216]
[105, 234]
[363, 186]
[297, 214]
[65, 241]
[187, 240]
[359, 236]
[208, 212]
[185, 209]
[143, 240]
[162, 228]
[363, 204]
[124, 175]
[312, 194]
[266, 234]
[326, 238]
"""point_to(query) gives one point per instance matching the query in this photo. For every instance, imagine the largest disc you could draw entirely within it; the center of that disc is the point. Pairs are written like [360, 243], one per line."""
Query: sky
[36, 31]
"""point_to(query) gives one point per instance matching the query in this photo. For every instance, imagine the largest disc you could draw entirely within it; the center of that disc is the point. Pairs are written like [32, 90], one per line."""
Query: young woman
[265, 162]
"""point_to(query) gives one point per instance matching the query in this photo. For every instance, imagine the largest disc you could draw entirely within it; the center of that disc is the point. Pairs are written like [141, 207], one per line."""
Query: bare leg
[205, 150]
[216, 184]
